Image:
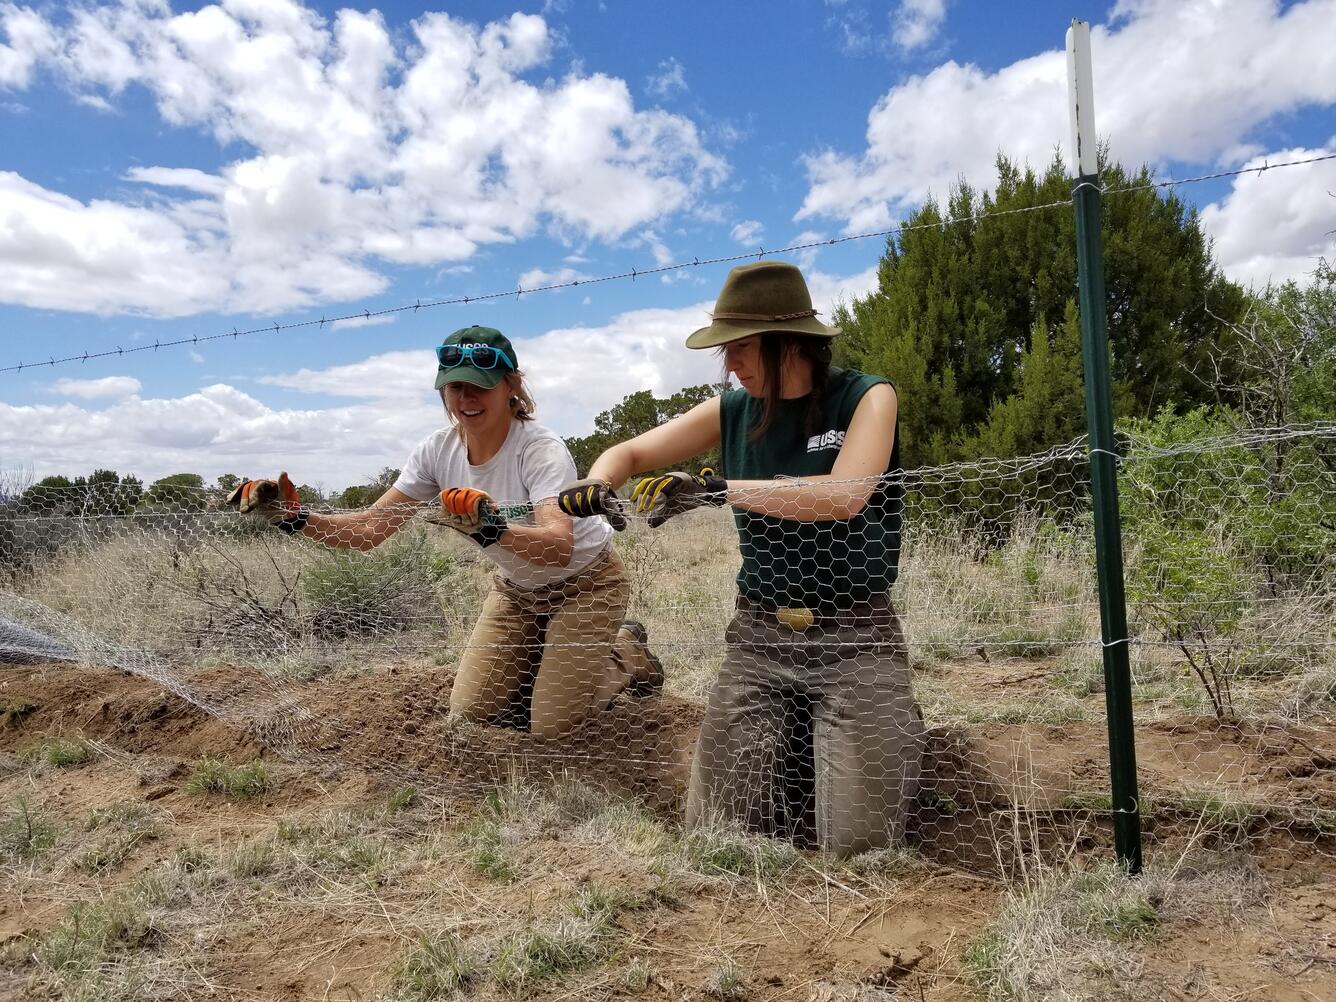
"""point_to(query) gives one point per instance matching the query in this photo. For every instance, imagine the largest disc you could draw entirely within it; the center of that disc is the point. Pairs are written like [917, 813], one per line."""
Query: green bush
[1273, 502]
[390, 589]
[1213, 526]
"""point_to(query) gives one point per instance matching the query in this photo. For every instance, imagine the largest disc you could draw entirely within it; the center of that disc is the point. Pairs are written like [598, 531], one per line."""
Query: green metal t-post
[1103, 467]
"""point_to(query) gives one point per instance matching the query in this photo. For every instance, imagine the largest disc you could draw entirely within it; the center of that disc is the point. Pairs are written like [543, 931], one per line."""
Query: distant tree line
[105, 492]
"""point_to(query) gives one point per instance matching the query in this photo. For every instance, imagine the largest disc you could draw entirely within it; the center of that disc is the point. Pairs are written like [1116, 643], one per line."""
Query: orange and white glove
[274, 502]
[471, 512]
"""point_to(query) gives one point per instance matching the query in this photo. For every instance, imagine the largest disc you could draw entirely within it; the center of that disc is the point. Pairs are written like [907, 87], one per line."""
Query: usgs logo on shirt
[830, 440]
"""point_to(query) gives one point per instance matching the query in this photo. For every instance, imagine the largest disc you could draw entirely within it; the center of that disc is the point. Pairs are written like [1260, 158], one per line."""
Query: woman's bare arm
[684, 436]
[364, 529]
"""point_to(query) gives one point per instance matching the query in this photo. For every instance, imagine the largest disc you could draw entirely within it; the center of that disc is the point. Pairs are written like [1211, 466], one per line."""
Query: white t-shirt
[532, 466]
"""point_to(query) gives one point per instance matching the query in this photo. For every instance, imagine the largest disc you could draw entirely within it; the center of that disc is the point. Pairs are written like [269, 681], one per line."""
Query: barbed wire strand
[635, 273]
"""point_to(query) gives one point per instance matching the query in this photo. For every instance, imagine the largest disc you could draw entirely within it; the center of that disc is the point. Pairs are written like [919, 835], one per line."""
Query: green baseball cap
[478, 355]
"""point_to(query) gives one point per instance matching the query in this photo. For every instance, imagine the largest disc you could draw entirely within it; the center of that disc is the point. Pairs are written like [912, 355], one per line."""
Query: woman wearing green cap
[550, 647]
[811, 730]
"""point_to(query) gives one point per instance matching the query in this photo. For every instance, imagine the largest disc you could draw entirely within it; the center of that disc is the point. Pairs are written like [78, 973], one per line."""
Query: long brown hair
[776, 348]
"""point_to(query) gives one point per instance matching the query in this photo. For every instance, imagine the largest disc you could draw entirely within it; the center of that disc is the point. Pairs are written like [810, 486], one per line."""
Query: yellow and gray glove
[471, 512]
[668, 494]
[587, 498]
[274, 502]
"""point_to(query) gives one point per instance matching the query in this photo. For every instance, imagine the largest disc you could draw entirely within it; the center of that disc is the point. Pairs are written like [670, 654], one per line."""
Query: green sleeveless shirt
[820, 565]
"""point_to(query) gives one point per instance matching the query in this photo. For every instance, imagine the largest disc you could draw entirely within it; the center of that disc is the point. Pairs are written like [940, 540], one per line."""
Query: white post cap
[1081, 100]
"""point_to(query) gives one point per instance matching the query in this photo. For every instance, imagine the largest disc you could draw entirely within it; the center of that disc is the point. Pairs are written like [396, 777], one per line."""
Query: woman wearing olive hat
[811, 730]
[551, 639]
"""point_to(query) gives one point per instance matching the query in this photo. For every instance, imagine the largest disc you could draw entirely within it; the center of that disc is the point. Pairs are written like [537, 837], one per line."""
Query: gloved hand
[471, 512]
[670, 494]
[585, 498]
[275, 502]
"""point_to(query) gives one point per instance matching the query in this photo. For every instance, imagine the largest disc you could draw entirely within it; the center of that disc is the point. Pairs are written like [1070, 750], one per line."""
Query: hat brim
[483, 378]
[724, 331]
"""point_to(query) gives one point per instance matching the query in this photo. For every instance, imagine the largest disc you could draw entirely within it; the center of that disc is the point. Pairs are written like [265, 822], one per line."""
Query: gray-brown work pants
[811, 734]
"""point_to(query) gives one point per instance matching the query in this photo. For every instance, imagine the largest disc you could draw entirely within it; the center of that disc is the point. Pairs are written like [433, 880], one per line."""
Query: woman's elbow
[850, 507]
[559, 553]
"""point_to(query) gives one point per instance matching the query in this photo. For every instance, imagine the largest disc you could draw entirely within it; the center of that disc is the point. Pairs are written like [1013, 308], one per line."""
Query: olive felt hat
[757, 299]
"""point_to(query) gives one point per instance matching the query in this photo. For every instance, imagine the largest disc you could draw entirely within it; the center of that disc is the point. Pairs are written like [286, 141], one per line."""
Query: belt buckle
[799, 619]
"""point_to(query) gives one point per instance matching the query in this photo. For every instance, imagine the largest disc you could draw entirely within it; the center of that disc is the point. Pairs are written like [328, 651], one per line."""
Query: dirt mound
[128, 713]
[391, 723]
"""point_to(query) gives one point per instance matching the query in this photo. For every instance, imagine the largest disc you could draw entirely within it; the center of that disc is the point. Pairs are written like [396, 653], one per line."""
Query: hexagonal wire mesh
[807, 711]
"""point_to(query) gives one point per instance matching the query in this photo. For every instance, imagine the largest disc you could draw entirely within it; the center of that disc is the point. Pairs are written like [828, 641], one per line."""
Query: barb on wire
[366, 314]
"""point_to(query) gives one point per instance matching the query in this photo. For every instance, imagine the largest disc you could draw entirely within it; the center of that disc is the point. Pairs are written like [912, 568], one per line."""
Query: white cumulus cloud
[90, 389]
[915, 23]
[362, 148]
[1174, 80]
[1274, 228]
[747, 232]
[671, 79]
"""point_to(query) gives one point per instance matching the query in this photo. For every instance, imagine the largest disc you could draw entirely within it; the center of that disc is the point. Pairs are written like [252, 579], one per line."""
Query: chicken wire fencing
[965, 715]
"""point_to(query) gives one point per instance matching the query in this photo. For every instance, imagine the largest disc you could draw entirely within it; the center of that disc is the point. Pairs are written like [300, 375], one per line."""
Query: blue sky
[171, 169]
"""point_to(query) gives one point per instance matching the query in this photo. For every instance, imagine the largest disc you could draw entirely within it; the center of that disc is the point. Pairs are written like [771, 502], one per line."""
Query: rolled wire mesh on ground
[344, 659]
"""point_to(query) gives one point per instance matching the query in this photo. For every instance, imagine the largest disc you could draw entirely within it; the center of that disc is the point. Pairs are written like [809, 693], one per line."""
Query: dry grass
[1070, 931]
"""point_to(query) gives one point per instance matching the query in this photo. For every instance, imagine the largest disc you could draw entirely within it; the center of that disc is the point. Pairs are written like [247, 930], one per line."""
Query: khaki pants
[559, 643]
[812, 735]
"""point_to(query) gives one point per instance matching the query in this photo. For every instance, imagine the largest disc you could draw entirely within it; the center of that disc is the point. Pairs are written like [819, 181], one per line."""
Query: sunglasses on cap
[480, 356]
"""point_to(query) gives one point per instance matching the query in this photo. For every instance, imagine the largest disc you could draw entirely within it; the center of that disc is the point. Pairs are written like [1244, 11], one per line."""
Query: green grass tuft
[401, 799]
[637, 976]
[26, 833]
[212, 776]
[61, 753]
[535, 955]
[439, 966]
[727, 983]
[255, 858]
[84, 948]
[722, 849]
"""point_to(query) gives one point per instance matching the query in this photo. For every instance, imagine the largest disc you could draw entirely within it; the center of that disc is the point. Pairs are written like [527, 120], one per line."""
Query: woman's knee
[553, 725]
